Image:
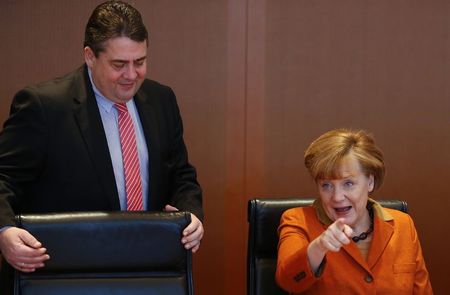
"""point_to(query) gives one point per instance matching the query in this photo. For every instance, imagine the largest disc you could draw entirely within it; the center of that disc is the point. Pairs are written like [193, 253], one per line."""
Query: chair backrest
[131, 253]
[263, 218]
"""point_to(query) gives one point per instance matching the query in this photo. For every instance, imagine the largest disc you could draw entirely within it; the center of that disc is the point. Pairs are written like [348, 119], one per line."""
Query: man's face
[120, 69]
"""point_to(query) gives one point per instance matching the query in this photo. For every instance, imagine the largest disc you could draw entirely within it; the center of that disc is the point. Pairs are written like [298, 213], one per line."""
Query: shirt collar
[378, 211]
[102, 101]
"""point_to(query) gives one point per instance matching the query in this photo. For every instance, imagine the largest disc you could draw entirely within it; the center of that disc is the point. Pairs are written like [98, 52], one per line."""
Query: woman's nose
[338, 194]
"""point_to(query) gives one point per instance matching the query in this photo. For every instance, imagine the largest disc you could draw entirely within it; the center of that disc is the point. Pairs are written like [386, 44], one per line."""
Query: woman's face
[347, 196]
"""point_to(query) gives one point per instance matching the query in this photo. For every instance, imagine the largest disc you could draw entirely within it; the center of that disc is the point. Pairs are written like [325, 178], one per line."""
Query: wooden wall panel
[257, 80]
[234, 214]
[377, 65]
[188, 51]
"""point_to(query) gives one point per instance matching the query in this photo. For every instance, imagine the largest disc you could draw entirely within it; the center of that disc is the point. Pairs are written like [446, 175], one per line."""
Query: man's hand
[192, 234]
[22, 250]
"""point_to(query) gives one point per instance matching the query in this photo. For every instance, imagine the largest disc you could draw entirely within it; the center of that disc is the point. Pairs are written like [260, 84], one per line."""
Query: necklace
[365, 234]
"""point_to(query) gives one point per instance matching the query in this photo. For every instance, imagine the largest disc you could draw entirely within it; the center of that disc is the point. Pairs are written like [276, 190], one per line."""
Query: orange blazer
[394, 264]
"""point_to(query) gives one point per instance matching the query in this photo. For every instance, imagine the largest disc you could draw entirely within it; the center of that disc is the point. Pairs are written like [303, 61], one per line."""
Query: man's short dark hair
[113, 19]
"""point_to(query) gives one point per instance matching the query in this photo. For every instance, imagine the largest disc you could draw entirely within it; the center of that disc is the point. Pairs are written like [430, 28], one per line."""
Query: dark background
[257, 81]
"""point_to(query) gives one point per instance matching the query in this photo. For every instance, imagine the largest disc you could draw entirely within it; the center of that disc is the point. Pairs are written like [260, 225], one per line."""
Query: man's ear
[89, 56]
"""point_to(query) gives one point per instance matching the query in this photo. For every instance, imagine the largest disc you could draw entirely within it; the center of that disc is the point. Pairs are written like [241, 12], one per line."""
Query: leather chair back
[264, 217]
[132, 253]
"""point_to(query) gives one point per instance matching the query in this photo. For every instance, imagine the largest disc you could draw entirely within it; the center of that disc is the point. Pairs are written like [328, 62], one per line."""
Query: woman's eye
[326, 186]
[349, 183]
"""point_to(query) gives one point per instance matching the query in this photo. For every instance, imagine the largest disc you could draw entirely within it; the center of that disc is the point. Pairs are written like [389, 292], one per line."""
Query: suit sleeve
[186, 193]
[294, 273]
[22, 149]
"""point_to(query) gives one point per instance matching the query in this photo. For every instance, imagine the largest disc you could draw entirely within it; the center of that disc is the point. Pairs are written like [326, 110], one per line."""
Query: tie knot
[121, 107]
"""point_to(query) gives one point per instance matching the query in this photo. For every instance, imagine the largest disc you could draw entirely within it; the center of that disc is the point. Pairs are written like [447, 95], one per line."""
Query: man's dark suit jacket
[54, 155]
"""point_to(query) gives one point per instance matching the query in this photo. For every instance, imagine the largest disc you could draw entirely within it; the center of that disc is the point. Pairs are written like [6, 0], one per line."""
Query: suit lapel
[382, 234]
[353, 251]
[380, 239]
[88, 118]
[147, 115]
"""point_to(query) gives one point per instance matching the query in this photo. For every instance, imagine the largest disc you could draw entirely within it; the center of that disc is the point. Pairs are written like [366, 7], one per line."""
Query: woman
[346, 243]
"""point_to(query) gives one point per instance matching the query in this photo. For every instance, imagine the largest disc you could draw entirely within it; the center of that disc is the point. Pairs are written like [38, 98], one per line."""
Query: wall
[257, 80]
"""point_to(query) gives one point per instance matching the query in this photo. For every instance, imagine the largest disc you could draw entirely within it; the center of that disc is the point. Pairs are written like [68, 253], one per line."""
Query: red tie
[130, 158]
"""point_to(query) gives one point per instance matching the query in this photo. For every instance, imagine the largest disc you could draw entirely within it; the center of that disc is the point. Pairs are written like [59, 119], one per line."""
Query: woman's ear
[371, 183]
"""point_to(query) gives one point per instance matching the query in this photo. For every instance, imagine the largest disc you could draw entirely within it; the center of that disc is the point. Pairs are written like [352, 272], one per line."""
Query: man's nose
[130, 72]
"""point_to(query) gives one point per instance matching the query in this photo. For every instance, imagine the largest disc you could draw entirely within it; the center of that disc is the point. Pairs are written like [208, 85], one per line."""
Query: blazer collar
[382, 233]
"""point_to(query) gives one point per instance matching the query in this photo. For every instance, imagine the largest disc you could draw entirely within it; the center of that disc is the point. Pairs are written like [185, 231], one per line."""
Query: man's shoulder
[152, 86]
[59, 86]
[156, 94]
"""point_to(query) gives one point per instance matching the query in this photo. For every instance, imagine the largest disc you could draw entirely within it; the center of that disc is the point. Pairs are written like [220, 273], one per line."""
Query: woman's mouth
[342, 210]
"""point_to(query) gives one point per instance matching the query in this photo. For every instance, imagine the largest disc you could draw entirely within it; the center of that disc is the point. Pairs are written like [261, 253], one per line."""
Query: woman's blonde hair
[323, 157]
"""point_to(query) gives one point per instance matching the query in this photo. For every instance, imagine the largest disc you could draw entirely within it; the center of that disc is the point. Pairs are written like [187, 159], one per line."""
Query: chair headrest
[109, 240]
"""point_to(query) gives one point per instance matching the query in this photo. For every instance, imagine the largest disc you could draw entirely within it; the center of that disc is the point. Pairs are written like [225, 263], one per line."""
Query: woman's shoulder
[397, 214]
[300, 210]
[399, 218]
[299, 214]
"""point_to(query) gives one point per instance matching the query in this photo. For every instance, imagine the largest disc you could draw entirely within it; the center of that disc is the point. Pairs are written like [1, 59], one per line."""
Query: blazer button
[368, 279]
[300, 276]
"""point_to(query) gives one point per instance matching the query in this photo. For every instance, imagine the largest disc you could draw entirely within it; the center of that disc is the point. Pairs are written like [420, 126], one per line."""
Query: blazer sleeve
[422, 283]
[22, 150]
[294, 273]
[185, 191]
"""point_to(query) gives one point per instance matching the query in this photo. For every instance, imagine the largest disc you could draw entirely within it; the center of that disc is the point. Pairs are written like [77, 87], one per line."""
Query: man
[65, 148]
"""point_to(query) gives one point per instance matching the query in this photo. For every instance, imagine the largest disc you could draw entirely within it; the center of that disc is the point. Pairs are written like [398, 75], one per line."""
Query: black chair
[109, 253]
[263, 218]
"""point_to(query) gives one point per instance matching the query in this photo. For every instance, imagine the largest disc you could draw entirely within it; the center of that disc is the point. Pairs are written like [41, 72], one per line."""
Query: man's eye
[118, 65]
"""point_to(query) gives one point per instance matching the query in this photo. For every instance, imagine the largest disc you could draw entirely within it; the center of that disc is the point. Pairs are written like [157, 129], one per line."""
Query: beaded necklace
[365, 234]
